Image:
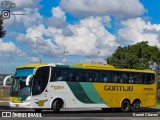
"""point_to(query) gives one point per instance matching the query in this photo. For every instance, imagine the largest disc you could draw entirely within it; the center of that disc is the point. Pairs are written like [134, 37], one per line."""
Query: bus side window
[83, 76]
[103, 76]
[75, 75]
[86, 76]
[144, 79]
[65, 74]
[117, 77]
[124, 77]
[149, 78]
[96, 76]
[93, 76]
[108, 76]
[140, 78]
[56, 75]
[152, 79]
[136, 78]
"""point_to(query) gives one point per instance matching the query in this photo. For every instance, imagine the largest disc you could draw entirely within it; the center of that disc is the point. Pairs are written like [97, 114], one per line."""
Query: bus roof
[108, 67]
[31, 65]
[87, 66]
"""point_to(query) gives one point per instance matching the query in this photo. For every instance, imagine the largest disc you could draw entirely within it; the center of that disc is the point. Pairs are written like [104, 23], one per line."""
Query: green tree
[137, 56]
[2, 31]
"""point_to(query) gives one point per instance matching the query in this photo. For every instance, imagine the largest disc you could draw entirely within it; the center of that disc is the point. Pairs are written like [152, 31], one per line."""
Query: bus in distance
[49, 86]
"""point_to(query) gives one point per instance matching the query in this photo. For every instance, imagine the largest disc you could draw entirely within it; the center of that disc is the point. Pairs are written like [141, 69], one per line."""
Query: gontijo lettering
[118, 88]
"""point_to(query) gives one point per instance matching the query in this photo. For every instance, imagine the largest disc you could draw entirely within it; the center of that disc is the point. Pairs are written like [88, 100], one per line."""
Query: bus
[54, 86]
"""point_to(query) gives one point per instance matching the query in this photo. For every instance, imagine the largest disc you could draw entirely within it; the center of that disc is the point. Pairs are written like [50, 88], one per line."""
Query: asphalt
[89, 114]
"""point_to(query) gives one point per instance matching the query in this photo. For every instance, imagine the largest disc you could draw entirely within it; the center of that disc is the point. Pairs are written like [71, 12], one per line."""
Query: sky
[75, 31]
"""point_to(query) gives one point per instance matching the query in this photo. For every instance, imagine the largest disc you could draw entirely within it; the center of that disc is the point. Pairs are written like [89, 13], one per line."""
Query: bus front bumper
[20, 105]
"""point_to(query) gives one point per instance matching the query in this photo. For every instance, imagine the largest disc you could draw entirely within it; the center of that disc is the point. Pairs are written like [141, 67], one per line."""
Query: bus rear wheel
[135, 106]
[125, 106]
[57, 105]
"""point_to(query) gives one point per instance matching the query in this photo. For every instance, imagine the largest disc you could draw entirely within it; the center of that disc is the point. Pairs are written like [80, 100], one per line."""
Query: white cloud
[88, 37]
[58, 18]
[33, 59]
[58, 13]
[122, 9]
[22, 22]
[137, 30]
[8, 48]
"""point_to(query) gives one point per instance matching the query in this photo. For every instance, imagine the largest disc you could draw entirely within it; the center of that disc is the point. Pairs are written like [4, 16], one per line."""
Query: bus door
[40, 94]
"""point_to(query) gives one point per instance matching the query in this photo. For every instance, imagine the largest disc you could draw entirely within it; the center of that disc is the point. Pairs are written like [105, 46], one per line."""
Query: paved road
[89, 114]
[94, 114]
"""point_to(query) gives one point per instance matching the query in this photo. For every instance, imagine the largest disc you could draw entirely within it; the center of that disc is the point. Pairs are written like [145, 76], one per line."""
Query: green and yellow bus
[50, 86]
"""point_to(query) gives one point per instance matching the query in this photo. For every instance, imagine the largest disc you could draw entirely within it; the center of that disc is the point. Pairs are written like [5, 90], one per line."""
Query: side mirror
[28, 79]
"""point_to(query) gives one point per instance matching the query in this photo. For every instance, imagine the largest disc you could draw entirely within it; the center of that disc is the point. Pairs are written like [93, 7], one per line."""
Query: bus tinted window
[105, 76]
[59, 74]
[86, 75]
[75, 75]
[149, 78]
[117, 77]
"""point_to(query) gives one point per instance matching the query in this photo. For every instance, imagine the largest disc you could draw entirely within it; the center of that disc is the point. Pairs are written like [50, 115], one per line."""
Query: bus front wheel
[125, 106]
[135, 106]
[57, 105]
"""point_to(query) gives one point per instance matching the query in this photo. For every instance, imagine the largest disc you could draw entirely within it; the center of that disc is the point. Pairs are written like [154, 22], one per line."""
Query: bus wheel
[135, 106]
[57, 105]
[38, 110]
[125, 106]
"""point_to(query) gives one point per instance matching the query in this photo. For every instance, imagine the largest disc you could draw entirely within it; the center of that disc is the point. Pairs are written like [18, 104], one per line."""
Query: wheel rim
[136, 106]
[125, 106]
[58, 105]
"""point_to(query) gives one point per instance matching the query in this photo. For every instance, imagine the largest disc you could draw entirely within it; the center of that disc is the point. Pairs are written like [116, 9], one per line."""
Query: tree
[2, 31]
[137, 56]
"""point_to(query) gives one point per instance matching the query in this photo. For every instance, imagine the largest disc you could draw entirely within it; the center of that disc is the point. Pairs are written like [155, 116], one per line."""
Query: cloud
[88, 38]
[22, 22]
[137, 30]
[122, 9]
[8, 51]
[33, 59]
[35, 41]
[58, 18]
[8, 48]
[58, 13]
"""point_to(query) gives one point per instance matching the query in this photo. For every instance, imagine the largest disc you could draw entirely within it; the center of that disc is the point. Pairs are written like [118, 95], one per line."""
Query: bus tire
[57, 105]
[125, 106]
[38, 110]
[135, 106]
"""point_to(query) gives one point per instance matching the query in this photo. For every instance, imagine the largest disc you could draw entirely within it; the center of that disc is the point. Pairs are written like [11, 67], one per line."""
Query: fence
[4, 93]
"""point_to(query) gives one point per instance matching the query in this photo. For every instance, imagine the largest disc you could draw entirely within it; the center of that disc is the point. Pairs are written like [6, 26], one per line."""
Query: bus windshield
[19, 87]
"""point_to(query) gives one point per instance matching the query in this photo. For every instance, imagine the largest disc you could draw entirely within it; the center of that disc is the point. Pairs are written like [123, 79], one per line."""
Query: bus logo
[41, 103]
[118, 88]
